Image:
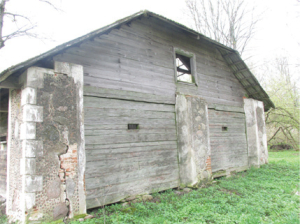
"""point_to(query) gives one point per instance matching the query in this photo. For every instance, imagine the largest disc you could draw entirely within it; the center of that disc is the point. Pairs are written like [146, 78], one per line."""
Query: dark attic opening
[184, 69]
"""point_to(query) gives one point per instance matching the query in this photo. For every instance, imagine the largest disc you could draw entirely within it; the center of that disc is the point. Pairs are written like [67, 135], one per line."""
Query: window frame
[192, 57]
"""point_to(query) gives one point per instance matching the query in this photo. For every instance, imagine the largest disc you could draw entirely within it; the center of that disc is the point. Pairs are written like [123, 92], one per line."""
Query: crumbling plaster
[46, 147]
[256, 132]
[193, 140]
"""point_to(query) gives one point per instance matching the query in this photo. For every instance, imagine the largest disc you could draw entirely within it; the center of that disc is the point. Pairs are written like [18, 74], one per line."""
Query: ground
[266, 195]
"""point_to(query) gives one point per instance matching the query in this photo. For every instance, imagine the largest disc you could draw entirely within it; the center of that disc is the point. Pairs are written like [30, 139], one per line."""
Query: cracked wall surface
[256, 132]
[193, 140]
[49, 119]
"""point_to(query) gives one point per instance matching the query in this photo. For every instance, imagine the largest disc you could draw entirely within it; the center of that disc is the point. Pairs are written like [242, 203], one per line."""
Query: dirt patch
[155, 200]
[281, 147]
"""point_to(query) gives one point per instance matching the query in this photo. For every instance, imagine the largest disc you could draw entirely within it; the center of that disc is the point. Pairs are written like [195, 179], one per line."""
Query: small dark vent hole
[133, 126]
[224, 128]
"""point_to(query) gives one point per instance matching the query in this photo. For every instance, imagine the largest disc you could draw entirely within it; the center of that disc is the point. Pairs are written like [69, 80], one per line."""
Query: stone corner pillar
[256, 132]
[46, 154]
[193, 140]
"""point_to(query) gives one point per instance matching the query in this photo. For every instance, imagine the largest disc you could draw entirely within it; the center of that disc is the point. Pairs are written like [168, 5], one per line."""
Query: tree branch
[14, 15]
[52, 5]
[24, 30]
[225, 21]
[274, 134]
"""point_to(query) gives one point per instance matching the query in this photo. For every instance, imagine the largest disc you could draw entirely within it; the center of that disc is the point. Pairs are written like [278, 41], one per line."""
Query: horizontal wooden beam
[249, 86]
[127, 95]
[245, 78]
[226, 108]
[242, 70]
[255, 93]
[234, 63]
[184, 71]
[228, 54]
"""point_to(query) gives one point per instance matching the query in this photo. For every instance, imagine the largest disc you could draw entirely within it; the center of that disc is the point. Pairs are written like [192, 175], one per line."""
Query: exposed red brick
[208, 164]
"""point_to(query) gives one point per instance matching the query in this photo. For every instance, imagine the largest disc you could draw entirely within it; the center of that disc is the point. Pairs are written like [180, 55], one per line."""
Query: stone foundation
[46, 157]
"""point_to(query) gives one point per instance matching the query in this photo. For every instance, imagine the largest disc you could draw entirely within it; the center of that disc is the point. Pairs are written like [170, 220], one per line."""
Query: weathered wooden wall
[3, 151]
[3, 135]
[122, 162]
[139, 57]
[3, 112]
[229, 147]
[136, 62]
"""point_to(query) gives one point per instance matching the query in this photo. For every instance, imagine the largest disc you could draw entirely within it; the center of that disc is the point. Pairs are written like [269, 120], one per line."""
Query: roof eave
[6, 73]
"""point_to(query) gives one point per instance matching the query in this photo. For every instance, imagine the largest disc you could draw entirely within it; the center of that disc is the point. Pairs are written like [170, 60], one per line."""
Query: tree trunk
[2, 9]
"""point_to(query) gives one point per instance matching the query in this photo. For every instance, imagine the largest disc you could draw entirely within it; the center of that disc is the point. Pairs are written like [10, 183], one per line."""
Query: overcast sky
[277, 34]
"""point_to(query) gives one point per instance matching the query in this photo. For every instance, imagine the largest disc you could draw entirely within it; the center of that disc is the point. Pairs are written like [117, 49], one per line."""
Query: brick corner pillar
[193, 140]
[46, 154]
[256, 132]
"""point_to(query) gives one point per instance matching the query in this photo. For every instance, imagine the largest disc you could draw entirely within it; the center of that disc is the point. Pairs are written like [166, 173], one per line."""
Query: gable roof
[232, 57]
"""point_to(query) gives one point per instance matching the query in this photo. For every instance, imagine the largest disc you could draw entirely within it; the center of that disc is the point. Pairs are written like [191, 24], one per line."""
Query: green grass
[3, 219]
[265, 195]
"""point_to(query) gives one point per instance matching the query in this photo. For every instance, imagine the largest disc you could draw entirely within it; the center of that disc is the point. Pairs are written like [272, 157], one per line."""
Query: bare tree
[25, 29]
[230, 22]
[283, 123]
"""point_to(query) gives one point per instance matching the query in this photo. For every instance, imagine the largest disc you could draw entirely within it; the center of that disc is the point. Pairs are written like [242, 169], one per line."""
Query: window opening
[133, 126]
[184, 69]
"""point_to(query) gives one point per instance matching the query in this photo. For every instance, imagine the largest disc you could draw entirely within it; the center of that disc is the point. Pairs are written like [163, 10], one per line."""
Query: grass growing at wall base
[264, 195]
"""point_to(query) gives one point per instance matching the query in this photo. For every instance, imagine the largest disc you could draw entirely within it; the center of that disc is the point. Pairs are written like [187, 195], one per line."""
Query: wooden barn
[142, 105]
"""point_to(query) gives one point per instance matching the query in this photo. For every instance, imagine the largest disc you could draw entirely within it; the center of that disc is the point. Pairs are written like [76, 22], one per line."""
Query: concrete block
[32, 113]
[28, 130]
[29, 200]
[33, 184]
[77, 73]
[32, 148]
[62, 67]
[28, 166]
[72, 70]
[28, 96]
[33, 77]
